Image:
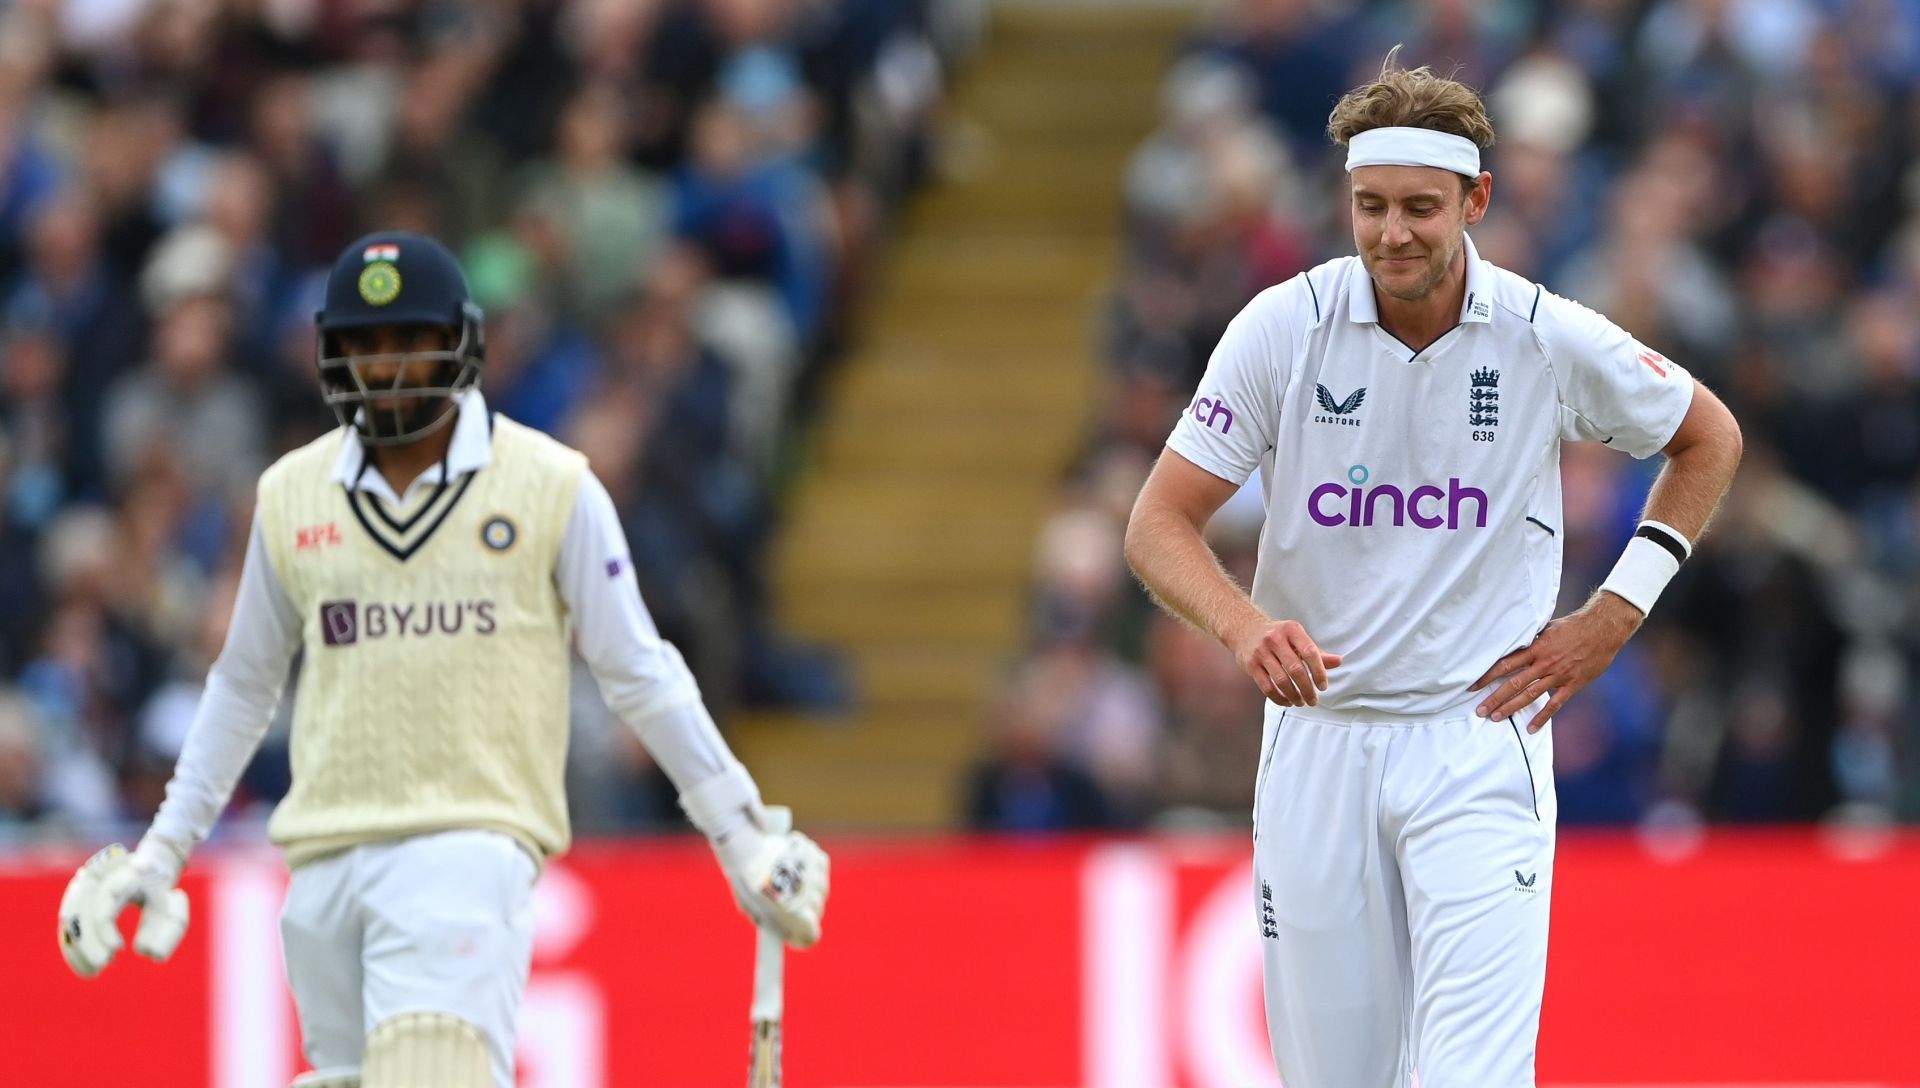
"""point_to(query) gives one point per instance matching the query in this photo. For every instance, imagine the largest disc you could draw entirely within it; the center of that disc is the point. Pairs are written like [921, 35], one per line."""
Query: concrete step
[909, 543]
[1006, 262]
[827, 792]
[906, 564]
[1041, 446]
[887, 615]
[911, 499]
[909, 775]
[957, 354]
[843, 542]
[901, 673]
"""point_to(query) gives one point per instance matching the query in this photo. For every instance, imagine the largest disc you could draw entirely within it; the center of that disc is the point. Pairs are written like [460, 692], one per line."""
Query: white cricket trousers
[1402, 870]
[432, 923]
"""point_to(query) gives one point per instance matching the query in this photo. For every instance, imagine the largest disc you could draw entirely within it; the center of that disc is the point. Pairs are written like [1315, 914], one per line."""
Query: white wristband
[158, 854]
[722, 803]
[1649, 562]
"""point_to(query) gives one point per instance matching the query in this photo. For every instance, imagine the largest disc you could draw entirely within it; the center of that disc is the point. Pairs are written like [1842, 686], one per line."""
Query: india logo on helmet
[380, 283]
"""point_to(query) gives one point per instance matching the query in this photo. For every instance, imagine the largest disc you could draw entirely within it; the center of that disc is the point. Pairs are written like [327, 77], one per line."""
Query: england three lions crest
[1483, 398]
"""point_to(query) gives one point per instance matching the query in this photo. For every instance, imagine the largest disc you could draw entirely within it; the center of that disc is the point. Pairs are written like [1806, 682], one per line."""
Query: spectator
[1025, 785]
[754, 216]
[69, 286]
[33, 366]
[613, 216]
[1203, 763]
[23, 804]
[188, 403]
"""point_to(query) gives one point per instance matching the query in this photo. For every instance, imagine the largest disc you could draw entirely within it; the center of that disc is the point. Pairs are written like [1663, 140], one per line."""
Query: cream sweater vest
[433, 693]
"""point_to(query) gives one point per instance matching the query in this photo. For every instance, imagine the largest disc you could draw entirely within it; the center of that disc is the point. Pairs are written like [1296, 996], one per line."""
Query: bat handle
[770, 952]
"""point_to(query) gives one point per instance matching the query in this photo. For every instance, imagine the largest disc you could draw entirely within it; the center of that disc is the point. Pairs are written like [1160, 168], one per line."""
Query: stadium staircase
[943, 437]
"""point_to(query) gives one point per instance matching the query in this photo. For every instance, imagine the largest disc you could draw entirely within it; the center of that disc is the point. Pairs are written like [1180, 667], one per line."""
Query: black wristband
[1665, 539]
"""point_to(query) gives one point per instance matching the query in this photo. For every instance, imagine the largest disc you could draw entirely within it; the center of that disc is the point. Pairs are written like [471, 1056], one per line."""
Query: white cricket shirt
[1413, 499]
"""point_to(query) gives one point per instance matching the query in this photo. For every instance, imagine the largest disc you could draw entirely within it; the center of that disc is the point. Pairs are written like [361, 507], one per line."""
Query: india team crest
[380, 283]
[499, 534]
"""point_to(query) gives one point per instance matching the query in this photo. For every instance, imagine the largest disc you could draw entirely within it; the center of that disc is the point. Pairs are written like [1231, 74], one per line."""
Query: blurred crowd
[1737, 183]
[665, 207]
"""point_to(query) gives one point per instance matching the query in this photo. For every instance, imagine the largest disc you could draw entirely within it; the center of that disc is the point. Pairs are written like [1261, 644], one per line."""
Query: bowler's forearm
[1173, 561]
[1691, 486]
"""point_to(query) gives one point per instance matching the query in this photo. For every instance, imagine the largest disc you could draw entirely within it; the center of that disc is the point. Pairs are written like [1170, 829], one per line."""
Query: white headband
[1414, 147]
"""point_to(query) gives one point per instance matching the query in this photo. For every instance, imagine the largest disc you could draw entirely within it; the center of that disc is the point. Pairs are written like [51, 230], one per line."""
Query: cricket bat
[769, 1000]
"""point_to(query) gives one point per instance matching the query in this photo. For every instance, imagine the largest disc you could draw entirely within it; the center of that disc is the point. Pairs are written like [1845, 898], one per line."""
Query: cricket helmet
[397, 278]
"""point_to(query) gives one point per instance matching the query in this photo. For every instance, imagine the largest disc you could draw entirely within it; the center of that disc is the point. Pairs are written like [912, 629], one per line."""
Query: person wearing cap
[1405, 409]
[429, 558]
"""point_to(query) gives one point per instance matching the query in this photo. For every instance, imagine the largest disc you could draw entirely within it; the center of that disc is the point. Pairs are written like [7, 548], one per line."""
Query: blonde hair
[1411, 98]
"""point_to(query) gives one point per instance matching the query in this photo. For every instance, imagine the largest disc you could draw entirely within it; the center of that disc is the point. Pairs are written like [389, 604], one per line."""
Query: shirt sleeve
[1613, 388]
[243, 690]
[643, 679]
[1229, 426]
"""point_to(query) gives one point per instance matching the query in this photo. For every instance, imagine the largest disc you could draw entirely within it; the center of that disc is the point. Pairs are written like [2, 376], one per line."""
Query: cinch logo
[343, 623]
[1421, 505]
[1207, 410]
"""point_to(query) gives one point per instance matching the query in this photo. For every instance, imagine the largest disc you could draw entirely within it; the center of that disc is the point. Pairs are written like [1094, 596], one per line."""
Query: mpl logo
[317, 536]
[1363, 505]
[344, 623]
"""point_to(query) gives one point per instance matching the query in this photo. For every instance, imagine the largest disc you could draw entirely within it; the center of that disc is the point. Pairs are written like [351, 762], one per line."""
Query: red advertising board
[1765, 958]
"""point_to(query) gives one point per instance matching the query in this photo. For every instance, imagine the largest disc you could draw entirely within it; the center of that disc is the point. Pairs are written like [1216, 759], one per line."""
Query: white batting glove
[110, 881]
[779, 880]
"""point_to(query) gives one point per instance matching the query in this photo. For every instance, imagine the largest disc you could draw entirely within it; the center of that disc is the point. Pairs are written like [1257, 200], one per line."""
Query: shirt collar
[1477, 307]
[471, 449]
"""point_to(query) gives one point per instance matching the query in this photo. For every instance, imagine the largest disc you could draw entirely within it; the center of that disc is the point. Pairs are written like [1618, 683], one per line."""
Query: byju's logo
[1339, 411]
[339, 622]
[344, 623]
[1363, 503]
[1211, 410]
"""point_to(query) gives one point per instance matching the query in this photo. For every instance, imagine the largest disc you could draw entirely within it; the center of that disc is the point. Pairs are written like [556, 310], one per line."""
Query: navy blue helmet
[398, 278]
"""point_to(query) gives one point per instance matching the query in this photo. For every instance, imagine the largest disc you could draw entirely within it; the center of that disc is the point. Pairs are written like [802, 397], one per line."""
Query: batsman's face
[384, 354]
[395, 358]
[1409, 223]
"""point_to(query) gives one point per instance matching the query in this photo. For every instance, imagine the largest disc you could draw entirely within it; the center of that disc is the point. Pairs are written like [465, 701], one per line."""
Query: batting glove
[779, 879]
[110, 881]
